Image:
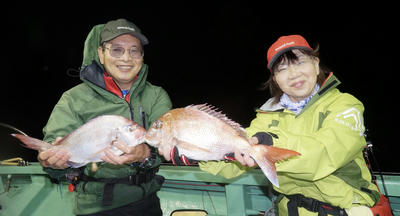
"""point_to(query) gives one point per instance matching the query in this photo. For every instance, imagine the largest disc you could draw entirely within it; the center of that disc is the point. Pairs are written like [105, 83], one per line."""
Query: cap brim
[142, 38]
[276, 56]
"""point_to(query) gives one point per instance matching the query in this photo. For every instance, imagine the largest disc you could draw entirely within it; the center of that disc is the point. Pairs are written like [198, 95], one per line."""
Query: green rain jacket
[328, 134]
[89, 100]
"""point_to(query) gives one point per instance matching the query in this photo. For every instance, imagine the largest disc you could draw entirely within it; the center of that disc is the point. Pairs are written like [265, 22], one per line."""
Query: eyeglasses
[300, 63]
[117, 52]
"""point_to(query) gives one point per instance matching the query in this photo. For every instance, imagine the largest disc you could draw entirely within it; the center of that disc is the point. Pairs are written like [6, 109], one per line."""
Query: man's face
[122, 59]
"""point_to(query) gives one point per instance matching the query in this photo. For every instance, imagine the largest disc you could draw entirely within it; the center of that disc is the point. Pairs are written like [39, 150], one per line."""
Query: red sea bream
[87, 143]
[201, 133]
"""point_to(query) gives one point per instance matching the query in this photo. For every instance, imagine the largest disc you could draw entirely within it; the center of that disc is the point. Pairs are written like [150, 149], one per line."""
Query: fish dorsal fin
[211, 110]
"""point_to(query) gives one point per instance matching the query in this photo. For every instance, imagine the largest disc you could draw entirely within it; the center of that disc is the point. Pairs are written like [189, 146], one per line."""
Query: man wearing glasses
[114, 82]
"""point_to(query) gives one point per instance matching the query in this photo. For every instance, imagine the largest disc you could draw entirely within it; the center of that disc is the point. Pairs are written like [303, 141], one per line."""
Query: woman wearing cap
[308, 114]
[114, 82]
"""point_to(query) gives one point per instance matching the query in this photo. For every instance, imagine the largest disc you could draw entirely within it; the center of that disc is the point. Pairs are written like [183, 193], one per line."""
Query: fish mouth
[141, 140]
[150, 141]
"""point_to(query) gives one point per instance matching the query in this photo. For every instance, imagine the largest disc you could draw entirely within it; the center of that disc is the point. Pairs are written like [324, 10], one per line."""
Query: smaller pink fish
[88, 142]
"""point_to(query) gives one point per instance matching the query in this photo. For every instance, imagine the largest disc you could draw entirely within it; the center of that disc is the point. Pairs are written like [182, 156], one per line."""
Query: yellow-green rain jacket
[329, 134]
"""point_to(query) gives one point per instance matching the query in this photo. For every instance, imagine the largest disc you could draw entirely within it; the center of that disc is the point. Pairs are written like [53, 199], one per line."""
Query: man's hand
[54, 158]
[131, 154]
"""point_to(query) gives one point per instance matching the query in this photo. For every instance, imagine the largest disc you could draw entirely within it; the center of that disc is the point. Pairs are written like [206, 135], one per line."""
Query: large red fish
[201, 133]
[88, 142]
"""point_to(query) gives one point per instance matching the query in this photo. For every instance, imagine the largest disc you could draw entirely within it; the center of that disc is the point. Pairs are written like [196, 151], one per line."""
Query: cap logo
[126, 27]
[283, 45]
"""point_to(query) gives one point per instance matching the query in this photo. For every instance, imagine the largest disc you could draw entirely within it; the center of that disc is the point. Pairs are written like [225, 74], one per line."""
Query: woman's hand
[246, 160]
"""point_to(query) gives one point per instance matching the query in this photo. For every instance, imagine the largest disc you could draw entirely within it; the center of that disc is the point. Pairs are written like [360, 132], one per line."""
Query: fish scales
[208, 131]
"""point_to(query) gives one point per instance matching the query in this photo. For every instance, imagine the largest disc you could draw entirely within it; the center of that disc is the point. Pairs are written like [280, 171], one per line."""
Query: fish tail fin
[32, 143]
[266, 156]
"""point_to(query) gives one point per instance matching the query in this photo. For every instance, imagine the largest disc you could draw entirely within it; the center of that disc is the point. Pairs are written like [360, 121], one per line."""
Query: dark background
[204, 53]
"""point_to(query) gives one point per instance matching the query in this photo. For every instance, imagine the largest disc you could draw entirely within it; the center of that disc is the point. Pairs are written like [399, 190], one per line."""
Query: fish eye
[158, 124]
[131, 128]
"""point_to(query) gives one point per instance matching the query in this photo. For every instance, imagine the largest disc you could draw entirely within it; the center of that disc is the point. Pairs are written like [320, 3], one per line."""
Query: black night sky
[204, 53]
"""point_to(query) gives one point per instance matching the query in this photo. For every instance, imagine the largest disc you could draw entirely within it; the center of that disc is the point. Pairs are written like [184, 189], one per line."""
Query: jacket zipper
[142, 116]
[131, 117]
[130, 109]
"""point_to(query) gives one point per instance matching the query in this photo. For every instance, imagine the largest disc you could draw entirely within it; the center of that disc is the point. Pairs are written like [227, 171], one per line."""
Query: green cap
[115, 28]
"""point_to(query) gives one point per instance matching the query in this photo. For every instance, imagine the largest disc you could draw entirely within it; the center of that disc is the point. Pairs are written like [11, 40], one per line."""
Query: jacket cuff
[264, 138]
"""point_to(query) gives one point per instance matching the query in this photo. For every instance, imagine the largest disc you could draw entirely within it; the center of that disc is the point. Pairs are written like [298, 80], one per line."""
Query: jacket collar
[112, 86]
[94, 74]
[330, 83]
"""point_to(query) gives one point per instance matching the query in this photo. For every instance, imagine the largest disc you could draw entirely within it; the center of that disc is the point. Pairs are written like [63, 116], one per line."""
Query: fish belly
[203, 145]
[89, 147]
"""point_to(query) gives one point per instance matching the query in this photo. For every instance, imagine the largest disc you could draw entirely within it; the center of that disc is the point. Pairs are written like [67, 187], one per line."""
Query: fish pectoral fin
[189, 146]
[95, 154]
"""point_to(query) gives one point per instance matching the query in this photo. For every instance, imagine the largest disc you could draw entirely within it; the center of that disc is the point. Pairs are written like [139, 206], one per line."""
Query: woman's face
[297, 79]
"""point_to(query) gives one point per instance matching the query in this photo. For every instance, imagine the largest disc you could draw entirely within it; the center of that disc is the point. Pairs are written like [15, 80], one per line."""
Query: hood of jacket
[90, 48]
